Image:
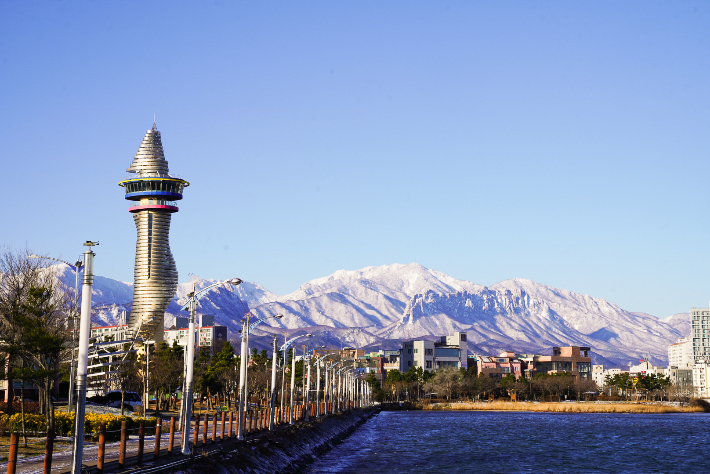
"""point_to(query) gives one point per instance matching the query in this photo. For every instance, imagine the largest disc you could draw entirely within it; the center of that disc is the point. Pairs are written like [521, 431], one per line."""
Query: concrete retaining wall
[288, 450]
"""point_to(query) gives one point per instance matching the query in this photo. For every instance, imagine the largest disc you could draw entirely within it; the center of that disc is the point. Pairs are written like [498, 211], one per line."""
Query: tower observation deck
[152, 196]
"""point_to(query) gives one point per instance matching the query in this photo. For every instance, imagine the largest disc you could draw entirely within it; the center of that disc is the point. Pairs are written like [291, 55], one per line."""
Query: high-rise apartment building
[700, 333]
[152, 194]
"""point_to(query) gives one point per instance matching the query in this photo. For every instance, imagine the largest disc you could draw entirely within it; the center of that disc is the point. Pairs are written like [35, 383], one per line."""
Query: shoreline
[565, 407]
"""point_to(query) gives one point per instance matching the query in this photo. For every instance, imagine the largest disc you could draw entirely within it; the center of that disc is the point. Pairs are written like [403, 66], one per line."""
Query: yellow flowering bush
[64, 423]
[33, 423]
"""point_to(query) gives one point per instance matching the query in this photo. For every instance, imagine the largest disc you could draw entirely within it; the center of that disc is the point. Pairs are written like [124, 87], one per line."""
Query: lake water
[519, 442]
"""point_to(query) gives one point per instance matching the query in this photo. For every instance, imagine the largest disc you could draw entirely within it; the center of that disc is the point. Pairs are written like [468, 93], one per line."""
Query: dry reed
[565, 407]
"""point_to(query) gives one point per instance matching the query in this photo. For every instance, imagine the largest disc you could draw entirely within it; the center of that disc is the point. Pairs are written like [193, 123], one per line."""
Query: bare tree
[33, 317]
[447, 380]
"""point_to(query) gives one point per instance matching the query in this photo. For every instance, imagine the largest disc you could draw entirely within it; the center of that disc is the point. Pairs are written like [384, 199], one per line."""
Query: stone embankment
[287, 450]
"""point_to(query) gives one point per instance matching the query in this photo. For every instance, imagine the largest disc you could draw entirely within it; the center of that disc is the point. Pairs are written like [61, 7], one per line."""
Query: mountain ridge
[401, 301]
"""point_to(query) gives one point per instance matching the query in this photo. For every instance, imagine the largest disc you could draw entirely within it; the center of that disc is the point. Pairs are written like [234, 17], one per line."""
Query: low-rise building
[212, 337]
[701, 383]
[646, 368]
[498, 367]
[571, 359]
[450, 351]
[681, 378]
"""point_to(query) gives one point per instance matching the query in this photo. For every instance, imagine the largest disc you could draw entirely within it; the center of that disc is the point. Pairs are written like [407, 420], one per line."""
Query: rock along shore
[290, 449]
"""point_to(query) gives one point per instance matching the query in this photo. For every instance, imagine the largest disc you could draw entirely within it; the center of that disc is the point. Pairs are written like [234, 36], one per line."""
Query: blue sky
[564, 142]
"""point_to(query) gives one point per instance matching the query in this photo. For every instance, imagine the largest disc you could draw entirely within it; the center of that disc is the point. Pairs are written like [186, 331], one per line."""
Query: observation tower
[152, 194]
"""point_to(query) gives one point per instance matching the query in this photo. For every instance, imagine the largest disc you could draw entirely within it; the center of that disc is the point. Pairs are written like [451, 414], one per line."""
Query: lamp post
[284, 348]
[191, 305]
[83, 357]
[246, 329]
[318, 362]
[304, 377]
[308, 389]
[77, 268]
[328, 390]
[340, 387]
[292, 386]
[272, 403]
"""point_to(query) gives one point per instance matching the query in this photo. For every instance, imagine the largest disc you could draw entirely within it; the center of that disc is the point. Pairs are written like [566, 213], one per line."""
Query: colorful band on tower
[152, 194]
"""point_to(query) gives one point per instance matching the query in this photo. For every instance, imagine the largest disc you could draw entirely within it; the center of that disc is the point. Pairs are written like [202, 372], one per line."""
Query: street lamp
[318, 364]
[307, 385]
[191, 305]
[340, 387]
[77, 268]
[284, 348]
[246, 329]
[272, 402]
[83, 357]
[328, 389]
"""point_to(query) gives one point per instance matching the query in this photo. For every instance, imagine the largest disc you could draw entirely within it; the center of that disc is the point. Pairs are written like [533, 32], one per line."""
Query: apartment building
[449, 351]
[498, 367]
[700, 379]
[700, 334]
[572, 359]
[212, 337]
[680, 353]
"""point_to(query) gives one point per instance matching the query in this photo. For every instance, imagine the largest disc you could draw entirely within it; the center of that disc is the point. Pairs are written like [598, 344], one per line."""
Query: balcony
[161, 204]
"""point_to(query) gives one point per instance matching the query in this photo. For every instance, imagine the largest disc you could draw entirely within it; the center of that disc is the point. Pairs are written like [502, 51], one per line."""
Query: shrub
[33, 423]
[31, 408]
[700, 403]
[63, 423]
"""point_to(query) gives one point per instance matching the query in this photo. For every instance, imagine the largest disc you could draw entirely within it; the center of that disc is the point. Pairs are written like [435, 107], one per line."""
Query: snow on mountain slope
[397, 302]
[517, 311]
[105, 290]
[396, 279]
[369, 298]
[680, 321]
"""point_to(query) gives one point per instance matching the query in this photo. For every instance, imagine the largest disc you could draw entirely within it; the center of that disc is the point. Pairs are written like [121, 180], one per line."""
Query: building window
[428, 364]
[416, 351]
[429, 352]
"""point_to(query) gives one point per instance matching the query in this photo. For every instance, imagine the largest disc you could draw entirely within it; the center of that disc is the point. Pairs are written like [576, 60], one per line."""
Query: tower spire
[150, 158]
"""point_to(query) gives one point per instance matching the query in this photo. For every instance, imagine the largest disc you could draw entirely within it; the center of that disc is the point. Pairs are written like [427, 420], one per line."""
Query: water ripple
[519, 442]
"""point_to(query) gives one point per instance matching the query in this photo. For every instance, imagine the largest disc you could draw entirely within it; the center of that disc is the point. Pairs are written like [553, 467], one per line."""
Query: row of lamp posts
[77, 390]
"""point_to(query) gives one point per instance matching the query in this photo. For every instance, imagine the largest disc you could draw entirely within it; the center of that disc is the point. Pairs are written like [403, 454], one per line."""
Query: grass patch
[35, 447]
[568, 407]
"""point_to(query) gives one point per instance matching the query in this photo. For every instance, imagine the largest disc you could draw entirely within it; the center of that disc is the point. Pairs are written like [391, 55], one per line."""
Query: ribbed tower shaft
[155, 275]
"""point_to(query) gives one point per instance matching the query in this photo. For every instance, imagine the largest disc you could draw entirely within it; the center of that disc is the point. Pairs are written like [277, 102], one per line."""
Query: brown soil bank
[572, 407]
[288, 450]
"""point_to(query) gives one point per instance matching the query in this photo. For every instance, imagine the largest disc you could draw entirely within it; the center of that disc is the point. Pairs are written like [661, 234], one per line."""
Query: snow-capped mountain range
[381, 306]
